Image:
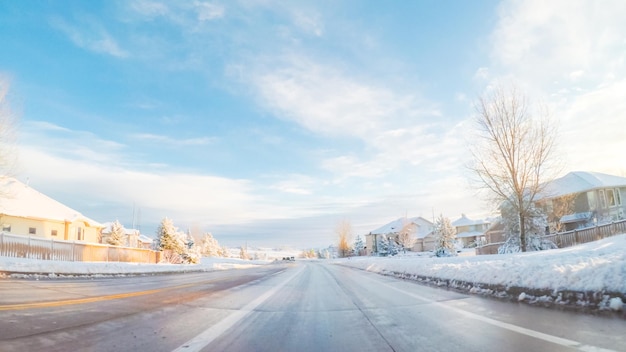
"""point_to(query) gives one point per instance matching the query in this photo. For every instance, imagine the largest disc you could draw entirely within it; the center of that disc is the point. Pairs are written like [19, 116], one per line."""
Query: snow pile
[22, 267]
[580, 275]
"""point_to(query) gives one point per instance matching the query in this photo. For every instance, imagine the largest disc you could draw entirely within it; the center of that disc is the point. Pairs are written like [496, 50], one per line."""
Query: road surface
[302, 306]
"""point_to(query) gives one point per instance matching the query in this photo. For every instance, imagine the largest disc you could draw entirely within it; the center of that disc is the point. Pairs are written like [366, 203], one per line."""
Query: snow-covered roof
[424, 227]
[145, 239]
[23, 201]
[108, 225]
[469, 234]
[465, 221]
[581, 181]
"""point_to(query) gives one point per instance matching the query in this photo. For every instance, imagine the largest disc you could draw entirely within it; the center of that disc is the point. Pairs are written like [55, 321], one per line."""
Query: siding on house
[580, 198]
[470, 231]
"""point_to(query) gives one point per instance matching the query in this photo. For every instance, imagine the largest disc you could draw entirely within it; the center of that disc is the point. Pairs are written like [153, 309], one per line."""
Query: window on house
[53, 233]
[602, 199]
[6, 228]
[610, 195]
[591, 198]
[79, 233]
[32, 231]
[618, 197]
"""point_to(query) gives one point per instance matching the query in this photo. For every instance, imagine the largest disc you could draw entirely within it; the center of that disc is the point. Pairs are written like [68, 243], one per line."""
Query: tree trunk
[522, 231]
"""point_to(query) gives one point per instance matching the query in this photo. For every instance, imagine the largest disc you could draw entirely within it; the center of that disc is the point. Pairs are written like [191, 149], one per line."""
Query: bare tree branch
[7, 131]
[344, 236]
[513, 152]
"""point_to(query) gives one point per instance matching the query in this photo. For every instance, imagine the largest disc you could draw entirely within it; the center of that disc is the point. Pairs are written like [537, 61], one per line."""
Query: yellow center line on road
[68, 302]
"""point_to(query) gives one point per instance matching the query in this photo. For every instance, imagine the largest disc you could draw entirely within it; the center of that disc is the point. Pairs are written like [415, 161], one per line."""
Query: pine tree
[209, 246]
[170, 241]
[118, 234]
[359, 246]
[535, 223]
[445, 235]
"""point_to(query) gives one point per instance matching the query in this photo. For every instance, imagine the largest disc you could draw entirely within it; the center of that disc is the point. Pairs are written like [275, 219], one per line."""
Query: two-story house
[580, 199]
[470, 232]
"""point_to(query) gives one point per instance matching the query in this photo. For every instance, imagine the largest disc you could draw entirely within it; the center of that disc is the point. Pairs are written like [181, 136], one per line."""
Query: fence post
[575, 237]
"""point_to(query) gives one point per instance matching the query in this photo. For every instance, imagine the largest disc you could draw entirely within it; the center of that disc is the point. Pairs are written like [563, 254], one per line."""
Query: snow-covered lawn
[589, 275]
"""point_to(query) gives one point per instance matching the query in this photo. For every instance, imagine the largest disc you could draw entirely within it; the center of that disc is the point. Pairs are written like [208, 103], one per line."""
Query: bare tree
[406, 237]
[7, 131]
[445, 236]
[512, 156]
[344, 236]
[559, 207]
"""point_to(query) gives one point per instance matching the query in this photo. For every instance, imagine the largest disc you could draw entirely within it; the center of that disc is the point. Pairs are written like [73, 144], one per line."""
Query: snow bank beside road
[21, 267]
[592, 273]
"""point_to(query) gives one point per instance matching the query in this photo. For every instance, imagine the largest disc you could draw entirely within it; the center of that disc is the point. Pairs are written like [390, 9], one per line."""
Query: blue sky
[268, 122]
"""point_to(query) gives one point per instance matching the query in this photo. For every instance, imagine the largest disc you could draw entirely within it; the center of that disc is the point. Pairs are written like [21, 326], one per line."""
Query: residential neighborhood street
[301, 306]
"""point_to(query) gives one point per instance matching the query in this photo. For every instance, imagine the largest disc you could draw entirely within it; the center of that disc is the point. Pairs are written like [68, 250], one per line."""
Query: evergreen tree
[445, 236]
[383, 246]
[118, 234]
[535, 223]
[359, 246]
[170, 241]
[392, 246]
[209, 246]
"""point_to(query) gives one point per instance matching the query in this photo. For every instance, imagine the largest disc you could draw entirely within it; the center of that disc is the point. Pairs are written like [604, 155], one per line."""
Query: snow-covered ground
[20, 267]
[590, 275]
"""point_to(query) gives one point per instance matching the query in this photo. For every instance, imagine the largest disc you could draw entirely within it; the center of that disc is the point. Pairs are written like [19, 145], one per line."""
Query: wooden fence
[569, 238]
[49, 249]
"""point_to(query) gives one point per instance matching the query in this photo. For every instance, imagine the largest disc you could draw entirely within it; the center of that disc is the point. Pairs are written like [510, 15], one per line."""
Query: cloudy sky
[268, 122]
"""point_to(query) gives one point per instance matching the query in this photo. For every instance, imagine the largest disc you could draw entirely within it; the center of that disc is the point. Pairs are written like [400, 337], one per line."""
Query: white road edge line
[518, 329]
[209, 335]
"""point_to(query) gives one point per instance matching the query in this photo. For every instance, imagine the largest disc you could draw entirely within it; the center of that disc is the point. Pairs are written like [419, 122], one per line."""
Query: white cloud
[549, 40]
[91, 36]
[180, 142]
[207, 11]
[482, 73]
[572, 56]
[148, 8]
[395, 127]
[69, 143]
[324, 100]
[295, 184]
[185, 14]
[592, 131]
[309, 21]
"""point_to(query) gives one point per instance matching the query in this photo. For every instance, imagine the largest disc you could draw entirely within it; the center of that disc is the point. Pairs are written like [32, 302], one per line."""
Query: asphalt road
[304, 306]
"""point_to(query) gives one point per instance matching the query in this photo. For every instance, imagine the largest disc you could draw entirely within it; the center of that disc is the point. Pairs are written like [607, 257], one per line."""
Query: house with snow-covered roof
[469, 231]
[132, 236]
[25, 211]
[417, 228]
[582, 198]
